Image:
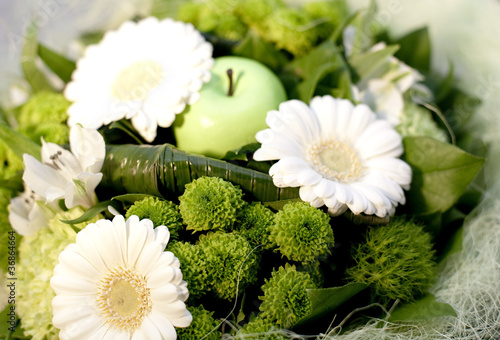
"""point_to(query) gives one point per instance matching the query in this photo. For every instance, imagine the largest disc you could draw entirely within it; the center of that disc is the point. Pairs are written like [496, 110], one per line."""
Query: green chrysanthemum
[160, 212]
[259, 328]
[285, 299]
[229, 257]
[203, 326]
[301, 232]
[45, 115]
[38, 256]
[396, 260]
[193, 267]
[210, 203]
[254, 223]
[254, 12]
[417, 121]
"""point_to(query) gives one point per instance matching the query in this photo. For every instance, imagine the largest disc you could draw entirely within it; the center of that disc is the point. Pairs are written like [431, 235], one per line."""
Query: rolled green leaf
[163, 170]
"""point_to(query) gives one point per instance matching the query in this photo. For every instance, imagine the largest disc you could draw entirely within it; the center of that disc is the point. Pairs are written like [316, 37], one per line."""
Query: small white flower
[27, 213]
[70, 175]
[339, 155]
[117, 282]
[146, 71]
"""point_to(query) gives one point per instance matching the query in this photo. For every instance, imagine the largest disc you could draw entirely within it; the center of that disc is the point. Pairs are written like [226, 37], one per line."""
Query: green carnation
[203, 326]
[44, 115]
[38, 256]
[417, 121]
[285, 299]
[302, 233]
[229, 257]
[160, 212]
[193, 266]
[290, 29]
[396, 260]
[260, 328]
[210, 203]
[255, 222]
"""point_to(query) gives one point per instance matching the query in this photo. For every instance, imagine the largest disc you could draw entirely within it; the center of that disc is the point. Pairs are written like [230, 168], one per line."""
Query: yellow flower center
[335, 160]
[135, 81]
[124, 299]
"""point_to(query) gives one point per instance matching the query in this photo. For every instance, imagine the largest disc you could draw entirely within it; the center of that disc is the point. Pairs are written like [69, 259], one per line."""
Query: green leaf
[416, 49]
[423, 309]
[366, 27]
[305, 90]
[278, 205]
[33, 75]
[325, 300]
[441, 174]
[367, 63]
[92, 212]
[241, 154]
[61, 66]
[19, 143]
[453, 246]
[256, 48]
[307, 65]
[131, 198]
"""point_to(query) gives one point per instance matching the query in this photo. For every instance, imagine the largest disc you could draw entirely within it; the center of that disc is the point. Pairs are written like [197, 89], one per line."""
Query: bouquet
[246, 170]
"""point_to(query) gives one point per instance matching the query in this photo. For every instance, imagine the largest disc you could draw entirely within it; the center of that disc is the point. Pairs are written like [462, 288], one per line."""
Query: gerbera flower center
[335, 160]
[124, 299]
[136, 80]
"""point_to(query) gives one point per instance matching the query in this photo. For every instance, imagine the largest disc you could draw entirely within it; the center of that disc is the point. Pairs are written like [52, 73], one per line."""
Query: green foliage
[417, 121]
[285, 299]
[302, 233]
[10, 162]
[210, 203]
[193, 266]
[5, 196]
[19, 143]
[254, 224]
[425, 308]
[260, 328]
[416, 49]
[160, 212]
[396, 261]
[327, 15]
[441, 174]
[232, 263]
[60, 65]
[203, 326]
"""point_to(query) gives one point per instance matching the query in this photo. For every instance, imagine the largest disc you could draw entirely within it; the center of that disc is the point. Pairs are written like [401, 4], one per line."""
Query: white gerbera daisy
[117, 282]
[147, 71]
[339, 154]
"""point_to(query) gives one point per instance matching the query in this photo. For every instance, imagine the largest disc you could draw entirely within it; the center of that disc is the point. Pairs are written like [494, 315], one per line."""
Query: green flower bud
[417, 121]
[203, 326]
[302, 233]
[285, 299]
[229, 257]
[193, 266]
[160, 212]
[210, 203]
[255, 224]
[396, 260]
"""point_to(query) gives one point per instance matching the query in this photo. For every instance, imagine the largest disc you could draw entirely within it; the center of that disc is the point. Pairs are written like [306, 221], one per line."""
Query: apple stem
[230, 75]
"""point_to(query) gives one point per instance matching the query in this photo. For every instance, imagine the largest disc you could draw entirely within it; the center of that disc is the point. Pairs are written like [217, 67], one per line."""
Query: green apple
[219, 122]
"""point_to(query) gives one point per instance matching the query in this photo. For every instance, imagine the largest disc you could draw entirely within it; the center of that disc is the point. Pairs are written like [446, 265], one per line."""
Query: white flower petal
[87, 145]
[164, 325]
[44, 180]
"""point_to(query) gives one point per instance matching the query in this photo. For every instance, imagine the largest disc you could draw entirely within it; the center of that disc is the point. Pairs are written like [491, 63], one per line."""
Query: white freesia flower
[117, 282]
[70, 175]
[27, 214]
[146, 71]
[383, 89]
[339, 155]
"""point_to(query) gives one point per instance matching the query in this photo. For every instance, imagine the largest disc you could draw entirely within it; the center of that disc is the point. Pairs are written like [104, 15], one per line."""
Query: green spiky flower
[255, 223]
[301, 232]
[44, 115]
[160, 212]
[229, 257]
[260, 328]
[38, 256]
[396, 260]
[193, 265]
[210, 203]
[203, 326]
[285, 299]
[417, 121]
